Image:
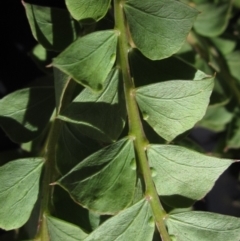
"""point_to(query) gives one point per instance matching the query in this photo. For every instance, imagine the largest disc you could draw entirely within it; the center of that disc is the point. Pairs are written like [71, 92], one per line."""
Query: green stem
[50, 169]
[135, 124]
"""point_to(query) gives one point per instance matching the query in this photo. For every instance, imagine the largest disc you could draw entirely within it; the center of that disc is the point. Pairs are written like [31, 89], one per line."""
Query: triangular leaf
[182, 172]
[100, 178]
[203, 226]
[99, 115]
[213, 19]
[52, 27]
[173, 107]
[91, 9]
[159, 27]
[93, 54]
[18, 191]
[134, 223]
[60, 230]
[25, 113]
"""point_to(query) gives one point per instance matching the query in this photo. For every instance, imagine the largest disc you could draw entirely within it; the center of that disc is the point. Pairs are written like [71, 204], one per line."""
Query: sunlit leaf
[42, 58]
[25, 113]
[100, 178]
[99, 115]
[203, 226]
[182, 172]
[173, 107]
[91, 9]
[213, 19]
[60, 230]
[93, 54]
[18, 191]
[52, 27]
[159, 27]
[134, 223]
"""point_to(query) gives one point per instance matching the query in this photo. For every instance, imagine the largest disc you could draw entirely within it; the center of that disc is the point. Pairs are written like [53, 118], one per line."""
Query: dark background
[17, 69]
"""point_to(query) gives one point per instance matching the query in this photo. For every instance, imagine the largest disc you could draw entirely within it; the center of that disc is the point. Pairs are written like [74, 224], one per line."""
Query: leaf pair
[136, 223]
[181, 176]
[155, 29]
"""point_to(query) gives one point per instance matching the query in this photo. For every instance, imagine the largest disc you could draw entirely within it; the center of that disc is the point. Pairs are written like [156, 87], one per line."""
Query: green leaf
[182, 172]
[224, 45]
[146, 71]
[173, 107]
[232, 60]
[93, 54]
[53, 28]
[100, 178]
[134, 223]
[42, 58]
[99, 115]
[159, 27]
[61, 82]
[70, 141]
[213, 19]
[60, 230]
[233, 137]
[18, 191]
[203, 226]
[91, 9]
[216, 118]
[25, 113]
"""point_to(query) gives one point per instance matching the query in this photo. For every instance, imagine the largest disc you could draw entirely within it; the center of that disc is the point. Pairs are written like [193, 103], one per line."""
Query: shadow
[63, 30]
[98, 120]
[146, 71]
[176, 201]
[28, 120]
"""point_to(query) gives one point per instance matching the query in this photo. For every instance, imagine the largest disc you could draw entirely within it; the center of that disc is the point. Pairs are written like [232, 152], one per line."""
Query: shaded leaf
[146, 71]
[203, 226]
[25, 113]
[173, 107]
[224, 45]
[53, 28]
[96, 181]
[159, 27]
[182, 172]
[61, 82]
[70, 142]
[134, 223]
[213, 19]
[60, 230]
[18, 191]
[232, 60]
[93, 54]
[233, 137]
[91, 9]
[216, 118]
[99, 115]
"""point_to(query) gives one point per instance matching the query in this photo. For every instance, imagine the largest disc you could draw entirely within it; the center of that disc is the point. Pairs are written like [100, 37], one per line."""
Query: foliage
[106, 138]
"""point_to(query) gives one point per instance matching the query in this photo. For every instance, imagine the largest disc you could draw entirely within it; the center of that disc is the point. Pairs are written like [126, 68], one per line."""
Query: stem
[50, 169]
[135, 124]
